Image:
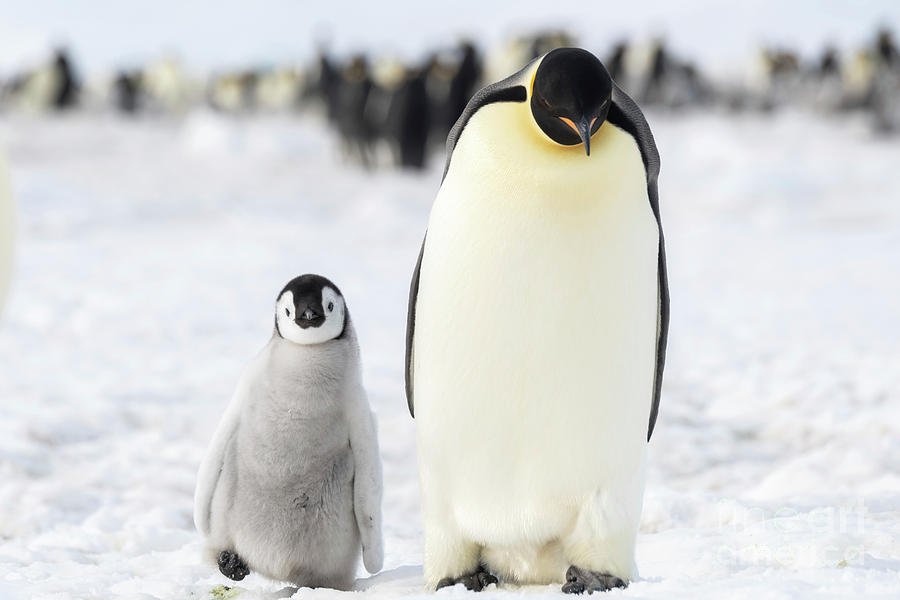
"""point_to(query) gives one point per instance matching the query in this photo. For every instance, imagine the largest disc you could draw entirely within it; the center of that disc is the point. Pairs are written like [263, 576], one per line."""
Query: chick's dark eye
[287, 311]
[330, 306]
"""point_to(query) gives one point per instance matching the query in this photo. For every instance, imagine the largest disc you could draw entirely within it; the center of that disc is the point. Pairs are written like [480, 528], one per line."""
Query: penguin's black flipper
[505, 90]
[626, 115]
[411, 330]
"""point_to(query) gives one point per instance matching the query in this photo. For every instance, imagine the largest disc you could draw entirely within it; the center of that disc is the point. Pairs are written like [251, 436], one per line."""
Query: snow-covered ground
[150, 252]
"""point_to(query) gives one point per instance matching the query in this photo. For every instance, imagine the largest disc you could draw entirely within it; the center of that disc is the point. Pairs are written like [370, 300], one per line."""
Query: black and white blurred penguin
[67, 89]
[407, 127]
[356, 129]
[49, 87]
[886, 85]
[126, 91]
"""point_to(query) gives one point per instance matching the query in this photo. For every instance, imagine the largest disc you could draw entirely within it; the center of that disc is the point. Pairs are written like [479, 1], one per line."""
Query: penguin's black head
[310, 310]
[570, 96]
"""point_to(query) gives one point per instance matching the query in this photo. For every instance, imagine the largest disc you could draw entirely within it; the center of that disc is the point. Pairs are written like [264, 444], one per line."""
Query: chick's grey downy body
[299, 477]
[287, 493]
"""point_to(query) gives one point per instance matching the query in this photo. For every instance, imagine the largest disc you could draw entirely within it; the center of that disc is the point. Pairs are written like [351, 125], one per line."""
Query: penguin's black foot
[580, 580]
[474, 582]
[231, 565]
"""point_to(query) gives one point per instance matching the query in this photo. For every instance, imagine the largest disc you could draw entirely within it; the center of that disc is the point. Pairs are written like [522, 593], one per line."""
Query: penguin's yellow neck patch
[531, 84]
[503, 145]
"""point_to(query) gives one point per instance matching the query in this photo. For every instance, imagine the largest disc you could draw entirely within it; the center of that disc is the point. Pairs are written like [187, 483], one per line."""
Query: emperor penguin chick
[291, 484]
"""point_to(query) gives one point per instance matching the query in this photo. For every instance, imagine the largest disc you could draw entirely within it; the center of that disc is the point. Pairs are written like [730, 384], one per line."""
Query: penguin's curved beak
[583, 129]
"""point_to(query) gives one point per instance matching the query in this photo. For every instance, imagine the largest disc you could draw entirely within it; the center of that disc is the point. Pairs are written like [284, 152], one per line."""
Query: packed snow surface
[148, 259]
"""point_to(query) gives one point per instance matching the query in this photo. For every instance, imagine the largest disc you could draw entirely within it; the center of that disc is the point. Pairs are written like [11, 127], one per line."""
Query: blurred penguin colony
[387, 112]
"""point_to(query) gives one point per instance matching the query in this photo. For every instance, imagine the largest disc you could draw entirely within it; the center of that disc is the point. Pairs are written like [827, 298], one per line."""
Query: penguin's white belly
[535, 341]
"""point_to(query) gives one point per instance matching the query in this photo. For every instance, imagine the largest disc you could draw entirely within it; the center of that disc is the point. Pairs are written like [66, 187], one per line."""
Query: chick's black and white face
[310, 310]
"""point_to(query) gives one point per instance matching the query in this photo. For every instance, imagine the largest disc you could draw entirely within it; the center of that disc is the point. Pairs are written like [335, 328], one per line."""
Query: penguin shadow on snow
[406, 580]
[401, 581]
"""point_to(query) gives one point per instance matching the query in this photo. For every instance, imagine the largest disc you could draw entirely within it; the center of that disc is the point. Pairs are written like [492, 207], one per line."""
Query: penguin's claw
[580, 580]
[231, 565]
[474, 582]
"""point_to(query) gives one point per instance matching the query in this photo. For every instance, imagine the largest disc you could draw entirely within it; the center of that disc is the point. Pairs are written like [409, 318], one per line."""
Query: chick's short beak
[308, 315]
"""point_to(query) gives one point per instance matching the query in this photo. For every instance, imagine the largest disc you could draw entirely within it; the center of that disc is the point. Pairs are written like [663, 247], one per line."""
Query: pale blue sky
[209, 33]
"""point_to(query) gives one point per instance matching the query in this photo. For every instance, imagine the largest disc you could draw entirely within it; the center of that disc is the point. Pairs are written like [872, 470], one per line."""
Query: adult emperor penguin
[291, 484]
[536, 337]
